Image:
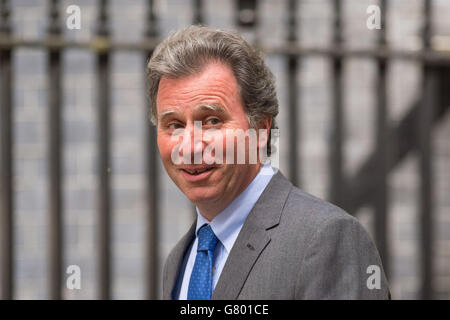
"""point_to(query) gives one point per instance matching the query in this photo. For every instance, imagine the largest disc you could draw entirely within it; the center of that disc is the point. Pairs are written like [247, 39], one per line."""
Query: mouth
[194, 174]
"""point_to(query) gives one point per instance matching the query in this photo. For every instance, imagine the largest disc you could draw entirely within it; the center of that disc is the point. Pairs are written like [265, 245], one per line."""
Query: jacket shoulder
[308, 210]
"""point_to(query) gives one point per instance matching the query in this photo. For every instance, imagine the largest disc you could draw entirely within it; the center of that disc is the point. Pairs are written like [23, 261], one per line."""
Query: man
[256, 236]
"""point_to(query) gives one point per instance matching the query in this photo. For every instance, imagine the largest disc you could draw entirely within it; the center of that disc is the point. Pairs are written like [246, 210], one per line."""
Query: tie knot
[207, 240]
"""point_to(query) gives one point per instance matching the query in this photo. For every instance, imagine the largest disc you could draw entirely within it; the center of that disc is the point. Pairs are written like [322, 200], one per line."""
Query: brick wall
[129, 119]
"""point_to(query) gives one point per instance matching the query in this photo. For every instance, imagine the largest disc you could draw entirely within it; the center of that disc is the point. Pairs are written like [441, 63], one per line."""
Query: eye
[212, 121]
[174, 125]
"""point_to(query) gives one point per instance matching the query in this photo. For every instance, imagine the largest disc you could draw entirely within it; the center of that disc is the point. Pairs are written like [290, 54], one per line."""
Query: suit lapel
[175, 260]
[253, 238]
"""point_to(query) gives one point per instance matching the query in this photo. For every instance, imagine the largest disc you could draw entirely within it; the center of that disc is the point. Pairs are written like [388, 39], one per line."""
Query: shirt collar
[227, 224]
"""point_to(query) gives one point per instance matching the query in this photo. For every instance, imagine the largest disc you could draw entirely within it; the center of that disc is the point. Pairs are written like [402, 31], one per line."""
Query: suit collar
[253, 238]
[175, 261]
[267, 210]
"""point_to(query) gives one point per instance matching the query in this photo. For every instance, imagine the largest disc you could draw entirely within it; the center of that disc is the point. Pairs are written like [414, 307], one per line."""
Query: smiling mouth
[196, 172]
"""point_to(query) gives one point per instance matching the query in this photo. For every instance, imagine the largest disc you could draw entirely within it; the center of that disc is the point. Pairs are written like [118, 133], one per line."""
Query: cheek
[165, 147]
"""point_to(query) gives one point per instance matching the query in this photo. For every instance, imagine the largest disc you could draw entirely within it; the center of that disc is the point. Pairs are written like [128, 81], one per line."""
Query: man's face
[211, 98]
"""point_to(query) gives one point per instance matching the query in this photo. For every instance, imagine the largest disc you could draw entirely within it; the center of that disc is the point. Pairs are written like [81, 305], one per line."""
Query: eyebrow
[165, 114]
[212, 107]
[203, 107]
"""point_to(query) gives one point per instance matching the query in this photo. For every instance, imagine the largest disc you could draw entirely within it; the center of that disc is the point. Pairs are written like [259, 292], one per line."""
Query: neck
[211, 209]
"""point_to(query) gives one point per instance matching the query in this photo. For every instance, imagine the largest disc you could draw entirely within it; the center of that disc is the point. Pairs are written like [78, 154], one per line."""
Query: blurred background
[364, 122]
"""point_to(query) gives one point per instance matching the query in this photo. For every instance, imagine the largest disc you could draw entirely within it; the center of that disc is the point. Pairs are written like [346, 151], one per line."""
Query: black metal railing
[6, 183]
[55, 155]
[368, 186]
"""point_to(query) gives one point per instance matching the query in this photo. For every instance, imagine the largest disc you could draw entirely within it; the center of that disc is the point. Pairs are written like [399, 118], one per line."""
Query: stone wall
[129, 116]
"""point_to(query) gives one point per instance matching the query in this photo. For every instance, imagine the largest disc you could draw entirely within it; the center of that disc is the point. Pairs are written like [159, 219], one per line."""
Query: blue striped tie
[200, 284]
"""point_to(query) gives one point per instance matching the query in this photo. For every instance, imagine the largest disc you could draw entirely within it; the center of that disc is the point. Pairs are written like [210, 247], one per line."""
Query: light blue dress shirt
[226, 226]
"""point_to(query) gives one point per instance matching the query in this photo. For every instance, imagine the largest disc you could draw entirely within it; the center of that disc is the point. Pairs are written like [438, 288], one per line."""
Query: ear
[268, 123]
[264, 125]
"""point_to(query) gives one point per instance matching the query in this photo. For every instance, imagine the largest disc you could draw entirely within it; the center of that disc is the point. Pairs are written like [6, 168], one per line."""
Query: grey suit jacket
[293, 246]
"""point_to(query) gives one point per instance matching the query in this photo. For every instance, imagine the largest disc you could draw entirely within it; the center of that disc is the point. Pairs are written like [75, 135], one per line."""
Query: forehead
[214, 84]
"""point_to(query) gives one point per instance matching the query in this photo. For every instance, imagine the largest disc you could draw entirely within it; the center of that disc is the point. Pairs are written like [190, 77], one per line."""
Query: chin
[200, 195]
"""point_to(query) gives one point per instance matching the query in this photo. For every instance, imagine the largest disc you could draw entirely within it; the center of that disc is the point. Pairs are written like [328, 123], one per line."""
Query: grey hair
[188, 51]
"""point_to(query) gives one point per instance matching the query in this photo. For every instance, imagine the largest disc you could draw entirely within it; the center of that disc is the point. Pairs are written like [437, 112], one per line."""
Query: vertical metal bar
[197, 19]
[6, 155]
[336, 139]
[293, 88]
[425, 126]
[103, 77]
[382, 160]
[152, 190]
[54, 157]
[426, 185]
[198, 12]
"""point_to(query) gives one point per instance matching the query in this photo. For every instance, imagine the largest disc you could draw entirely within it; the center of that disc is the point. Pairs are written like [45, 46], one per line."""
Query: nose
[193, 145]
